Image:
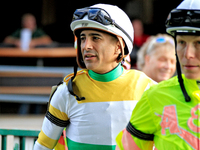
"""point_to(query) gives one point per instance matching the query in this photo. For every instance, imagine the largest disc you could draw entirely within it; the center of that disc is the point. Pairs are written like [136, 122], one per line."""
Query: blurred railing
[39, 52]
[27, 76]
[22, 84]
[14, 139]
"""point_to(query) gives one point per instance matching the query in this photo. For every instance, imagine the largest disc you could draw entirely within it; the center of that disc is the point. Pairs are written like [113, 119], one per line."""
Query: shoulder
[61, 93]
[133, 72]
[138, 81]
[164, 87]
[38, 32]
[159, 95]
[139, 75]
[167, 83]
[61, 97]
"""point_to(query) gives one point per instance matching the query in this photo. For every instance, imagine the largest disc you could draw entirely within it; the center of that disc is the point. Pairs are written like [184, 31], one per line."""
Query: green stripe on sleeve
[82, 146]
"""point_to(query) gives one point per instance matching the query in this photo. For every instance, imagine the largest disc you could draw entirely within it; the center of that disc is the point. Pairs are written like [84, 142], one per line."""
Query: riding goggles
[183, 18]
[99, 15]
[164, 40]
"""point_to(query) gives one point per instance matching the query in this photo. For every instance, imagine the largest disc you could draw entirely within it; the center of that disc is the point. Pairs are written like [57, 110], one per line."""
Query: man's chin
[162, 78]
[192, 76]
[90, 66]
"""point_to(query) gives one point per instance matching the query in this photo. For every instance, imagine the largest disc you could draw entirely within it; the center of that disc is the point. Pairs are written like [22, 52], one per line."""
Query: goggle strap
[115, 24]
[180, 79]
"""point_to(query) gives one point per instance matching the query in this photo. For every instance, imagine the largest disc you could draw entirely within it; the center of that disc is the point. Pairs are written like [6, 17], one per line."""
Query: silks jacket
[93, 123]
[163, 119]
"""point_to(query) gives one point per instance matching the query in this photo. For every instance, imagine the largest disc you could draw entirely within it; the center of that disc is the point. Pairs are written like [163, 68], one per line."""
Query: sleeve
[16, 34]
[55, 121]
[38, 33]
[138, 134]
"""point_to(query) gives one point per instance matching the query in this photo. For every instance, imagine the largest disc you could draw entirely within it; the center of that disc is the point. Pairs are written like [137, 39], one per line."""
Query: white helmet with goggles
[185, 19]
[103, 17]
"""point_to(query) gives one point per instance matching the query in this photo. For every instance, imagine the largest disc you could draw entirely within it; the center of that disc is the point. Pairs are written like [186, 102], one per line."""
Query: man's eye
[82, 38]
[181, 42]
[198, 42]
[95, 38]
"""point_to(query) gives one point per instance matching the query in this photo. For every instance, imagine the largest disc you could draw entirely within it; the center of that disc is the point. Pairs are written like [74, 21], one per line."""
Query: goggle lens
[99, 15]
[184, 17]
[95, 14]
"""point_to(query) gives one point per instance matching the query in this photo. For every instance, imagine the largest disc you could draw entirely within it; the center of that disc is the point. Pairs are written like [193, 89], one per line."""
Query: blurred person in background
[139, 39]
[38, 36]
[156, 58]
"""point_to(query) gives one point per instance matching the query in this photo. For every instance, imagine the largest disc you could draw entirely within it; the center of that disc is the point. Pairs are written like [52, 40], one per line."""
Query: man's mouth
[190, 66]
[89, 56]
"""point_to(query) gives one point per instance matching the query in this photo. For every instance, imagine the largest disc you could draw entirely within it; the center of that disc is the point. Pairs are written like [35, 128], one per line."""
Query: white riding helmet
[103, 17]
[185, 18]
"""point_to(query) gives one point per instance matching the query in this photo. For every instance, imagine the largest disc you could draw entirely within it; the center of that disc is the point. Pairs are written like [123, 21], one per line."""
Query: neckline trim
[107, 77]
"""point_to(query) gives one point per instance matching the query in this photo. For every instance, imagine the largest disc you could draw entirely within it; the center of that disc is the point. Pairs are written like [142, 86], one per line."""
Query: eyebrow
[91, 34]
[193, 37]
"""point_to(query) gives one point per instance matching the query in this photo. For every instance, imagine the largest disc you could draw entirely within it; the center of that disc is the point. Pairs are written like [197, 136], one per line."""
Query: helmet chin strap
[180, 79]
[122, 45]
[70, 85]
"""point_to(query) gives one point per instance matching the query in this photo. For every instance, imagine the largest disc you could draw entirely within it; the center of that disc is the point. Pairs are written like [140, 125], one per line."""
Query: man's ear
[120, 48]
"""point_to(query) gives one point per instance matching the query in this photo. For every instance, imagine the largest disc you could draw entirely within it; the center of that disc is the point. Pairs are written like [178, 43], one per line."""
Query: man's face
[161, 64]
[188, 50]
[99, 50]
[29, 22]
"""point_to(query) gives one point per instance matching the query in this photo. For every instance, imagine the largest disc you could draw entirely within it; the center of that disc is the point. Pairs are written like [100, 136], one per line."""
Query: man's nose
[167, 64]
[190, 51]
[87, 44]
